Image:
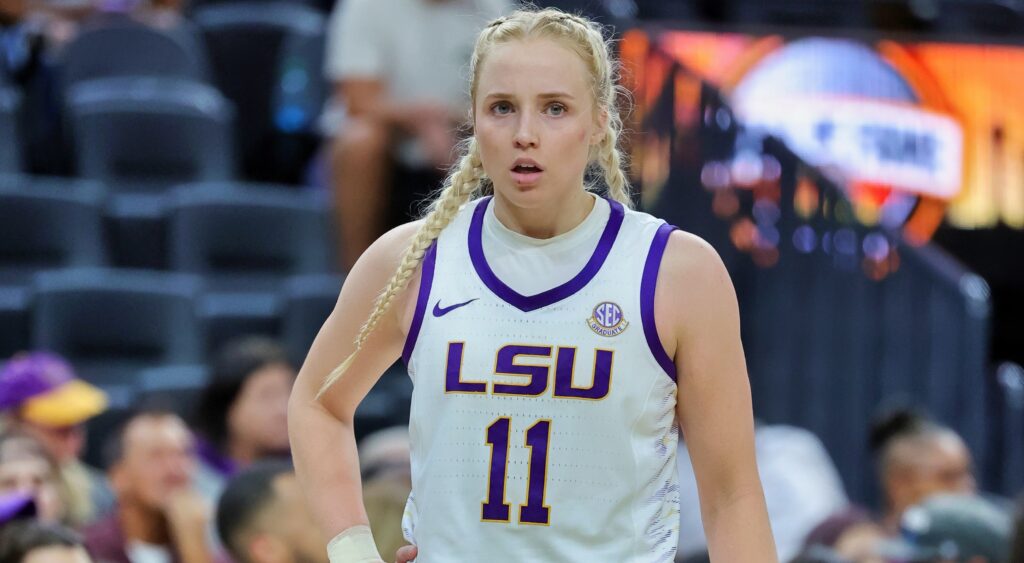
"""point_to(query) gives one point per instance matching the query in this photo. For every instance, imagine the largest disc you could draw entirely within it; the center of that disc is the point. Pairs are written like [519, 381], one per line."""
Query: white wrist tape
[354, 545]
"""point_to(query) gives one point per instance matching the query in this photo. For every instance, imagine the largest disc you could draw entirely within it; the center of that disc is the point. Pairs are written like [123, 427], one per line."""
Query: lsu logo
[607, 320]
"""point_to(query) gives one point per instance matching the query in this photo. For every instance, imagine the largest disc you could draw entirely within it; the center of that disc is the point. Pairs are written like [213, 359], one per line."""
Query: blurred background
[183, 185]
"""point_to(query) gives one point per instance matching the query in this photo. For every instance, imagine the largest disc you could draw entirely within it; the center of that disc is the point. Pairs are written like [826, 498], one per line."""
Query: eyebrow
[544, 96]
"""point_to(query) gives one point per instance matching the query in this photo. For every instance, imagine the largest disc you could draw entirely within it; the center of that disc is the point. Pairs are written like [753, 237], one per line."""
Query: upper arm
[698, 321]
[354, 45]
[336, 338]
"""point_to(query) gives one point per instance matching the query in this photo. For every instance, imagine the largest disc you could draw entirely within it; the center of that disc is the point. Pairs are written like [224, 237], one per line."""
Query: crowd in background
[219, 487]
[215, 484]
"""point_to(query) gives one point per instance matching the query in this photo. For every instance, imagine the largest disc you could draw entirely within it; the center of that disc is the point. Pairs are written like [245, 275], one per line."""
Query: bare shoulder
[375, 266]
[694, 287]
[689, 257]
[370, 274]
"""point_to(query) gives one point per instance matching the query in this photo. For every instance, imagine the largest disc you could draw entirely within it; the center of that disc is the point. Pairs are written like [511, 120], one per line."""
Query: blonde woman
[557, 341]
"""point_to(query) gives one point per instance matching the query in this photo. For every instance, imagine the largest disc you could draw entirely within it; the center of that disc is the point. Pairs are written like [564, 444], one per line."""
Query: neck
[550, 220]
[143, 524]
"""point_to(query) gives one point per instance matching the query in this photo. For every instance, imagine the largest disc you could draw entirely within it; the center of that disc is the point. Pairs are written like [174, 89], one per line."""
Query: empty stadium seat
[177, 388]
[10, 141]
[142, 134]
[308, 300]
[48, 223]
[246, 240]
[128, 48]
[44, 223]
[112, 324]
[256, 50]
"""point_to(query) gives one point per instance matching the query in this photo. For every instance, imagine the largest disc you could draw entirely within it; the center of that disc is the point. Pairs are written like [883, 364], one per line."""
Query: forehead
[156, 430]
[533, 66]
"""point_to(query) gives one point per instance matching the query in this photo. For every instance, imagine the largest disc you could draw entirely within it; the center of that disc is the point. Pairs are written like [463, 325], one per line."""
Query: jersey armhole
[648, 285]
[422, 297]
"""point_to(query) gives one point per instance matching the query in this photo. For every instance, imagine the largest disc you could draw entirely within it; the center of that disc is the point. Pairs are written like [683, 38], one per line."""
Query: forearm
[737, 529]
[327, 466]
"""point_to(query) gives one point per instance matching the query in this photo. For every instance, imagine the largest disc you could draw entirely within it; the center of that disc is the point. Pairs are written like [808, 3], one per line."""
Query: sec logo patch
[607, 319]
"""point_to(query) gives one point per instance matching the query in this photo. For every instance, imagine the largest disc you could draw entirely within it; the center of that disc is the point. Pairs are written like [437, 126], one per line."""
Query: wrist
[354, 545]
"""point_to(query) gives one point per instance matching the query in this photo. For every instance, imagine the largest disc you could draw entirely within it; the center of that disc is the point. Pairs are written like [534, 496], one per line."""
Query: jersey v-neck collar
[527, 303]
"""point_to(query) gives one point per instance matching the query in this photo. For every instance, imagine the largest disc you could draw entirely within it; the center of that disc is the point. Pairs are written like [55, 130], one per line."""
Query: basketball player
[557, 342]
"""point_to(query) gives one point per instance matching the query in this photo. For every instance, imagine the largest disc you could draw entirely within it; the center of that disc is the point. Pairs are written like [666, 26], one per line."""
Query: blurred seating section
[153, 206]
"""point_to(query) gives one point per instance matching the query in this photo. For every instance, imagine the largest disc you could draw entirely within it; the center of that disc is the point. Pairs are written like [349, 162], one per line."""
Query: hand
[187, 512]
[188, 515]
[406, 554]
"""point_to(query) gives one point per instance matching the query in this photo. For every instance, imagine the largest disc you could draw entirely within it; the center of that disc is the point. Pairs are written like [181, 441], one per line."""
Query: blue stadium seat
[145, 134]
[112, 324]
[246, 240]
[176, 388]
[44, 223]
[256, 50]
[125, 47]
[140, 136]
[308, 300]
[10, 140]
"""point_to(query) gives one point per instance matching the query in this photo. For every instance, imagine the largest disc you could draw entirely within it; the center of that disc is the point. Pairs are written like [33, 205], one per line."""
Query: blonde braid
[609, 159]
[462, 184]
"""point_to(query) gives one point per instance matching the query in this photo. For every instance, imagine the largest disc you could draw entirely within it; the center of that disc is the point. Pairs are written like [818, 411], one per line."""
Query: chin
[529, 197]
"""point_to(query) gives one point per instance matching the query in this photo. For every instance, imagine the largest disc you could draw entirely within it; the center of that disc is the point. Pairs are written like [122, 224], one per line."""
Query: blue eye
[502, 108]
[556, 110]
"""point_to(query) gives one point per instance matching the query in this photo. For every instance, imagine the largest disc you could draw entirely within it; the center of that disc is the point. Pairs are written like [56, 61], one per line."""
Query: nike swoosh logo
[440, 311]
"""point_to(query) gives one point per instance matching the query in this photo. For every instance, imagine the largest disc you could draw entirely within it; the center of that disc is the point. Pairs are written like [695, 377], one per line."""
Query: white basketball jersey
[543, 427]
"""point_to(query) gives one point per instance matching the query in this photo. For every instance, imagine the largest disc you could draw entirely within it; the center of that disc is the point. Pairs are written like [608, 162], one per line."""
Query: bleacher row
[241, 259]
[233, 92]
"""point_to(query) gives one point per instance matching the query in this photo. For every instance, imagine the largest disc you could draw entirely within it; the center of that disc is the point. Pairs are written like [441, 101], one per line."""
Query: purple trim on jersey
[648, 284]
[426, 280]
[527, 303]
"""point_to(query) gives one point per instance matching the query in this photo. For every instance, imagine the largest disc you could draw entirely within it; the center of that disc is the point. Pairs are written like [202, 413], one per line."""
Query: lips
[526, 171]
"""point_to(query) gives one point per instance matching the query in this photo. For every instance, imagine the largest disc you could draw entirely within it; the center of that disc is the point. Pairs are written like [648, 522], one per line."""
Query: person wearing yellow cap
[40, 395]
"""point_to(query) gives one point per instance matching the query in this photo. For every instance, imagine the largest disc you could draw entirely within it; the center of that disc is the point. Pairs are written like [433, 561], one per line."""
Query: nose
[526, 131]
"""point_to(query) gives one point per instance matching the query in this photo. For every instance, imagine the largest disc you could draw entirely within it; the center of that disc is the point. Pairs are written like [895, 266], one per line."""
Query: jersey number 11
[495, 509]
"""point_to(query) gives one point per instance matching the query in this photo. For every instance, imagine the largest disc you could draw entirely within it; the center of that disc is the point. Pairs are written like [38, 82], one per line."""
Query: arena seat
[10, 140]
[257, 48]
[176, 387]
[44, 223]
[112, 324]
[128, 48]
[246, 240]
[308, 300]
[144, 134]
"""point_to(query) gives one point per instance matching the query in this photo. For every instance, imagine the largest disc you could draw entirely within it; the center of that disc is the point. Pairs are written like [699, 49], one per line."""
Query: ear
[600, 124]
[264, 548]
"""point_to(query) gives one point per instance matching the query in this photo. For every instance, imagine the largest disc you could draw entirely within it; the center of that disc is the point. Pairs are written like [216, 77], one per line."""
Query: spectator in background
[159, 517]
[850, 535]
[952, 529]
[262, 517]
[243, 413]
[384, 454]
[384, 499]
[30, 541]
[916, 459]
[385, 468]
[801, 487]
[398, 68]
[40, 395]
[27, 469]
